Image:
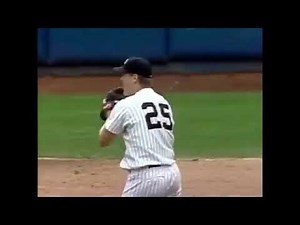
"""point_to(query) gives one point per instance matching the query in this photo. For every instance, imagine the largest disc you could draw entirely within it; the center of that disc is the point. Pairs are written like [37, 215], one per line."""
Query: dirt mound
[230, 177]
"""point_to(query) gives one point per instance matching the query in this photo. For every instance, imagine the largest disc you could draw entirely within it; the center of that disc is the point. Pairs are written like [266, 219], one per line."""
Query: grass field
[207, 125]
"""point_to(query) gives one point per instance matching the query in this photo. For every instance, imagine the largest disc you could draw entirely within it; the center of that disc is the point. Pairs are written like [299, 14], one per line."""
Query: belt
[144, 167]
[150, 166]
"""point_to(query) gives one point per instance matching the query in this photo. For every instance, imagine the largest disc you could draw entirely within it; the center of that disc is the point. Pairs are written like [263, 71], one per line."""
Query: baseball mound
[104, 178]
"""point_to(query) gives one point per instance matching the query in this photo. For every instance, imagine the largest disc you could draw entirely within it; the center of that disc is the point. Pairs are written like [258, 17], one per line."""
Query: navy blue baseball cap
[136, 65]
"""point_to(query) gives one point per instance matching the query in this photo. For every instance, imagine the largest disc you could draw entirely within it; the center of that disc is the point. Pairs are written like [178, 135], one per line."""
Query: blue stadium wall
[96, 46]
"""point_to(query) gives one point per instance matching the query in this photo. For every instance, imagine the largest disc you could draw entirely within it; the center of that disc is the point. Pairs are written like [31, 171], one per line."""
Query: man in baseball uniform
[144, 119]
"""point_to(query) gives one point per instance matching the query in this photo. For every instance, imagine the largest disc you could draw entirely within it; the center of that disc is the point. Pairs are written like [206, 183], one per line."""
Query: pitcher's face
[129, 82]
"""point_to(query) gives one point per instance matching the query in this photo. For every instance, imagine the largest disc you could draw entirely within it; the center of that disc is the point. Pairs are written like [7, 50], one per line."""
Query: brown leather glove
[111, 99]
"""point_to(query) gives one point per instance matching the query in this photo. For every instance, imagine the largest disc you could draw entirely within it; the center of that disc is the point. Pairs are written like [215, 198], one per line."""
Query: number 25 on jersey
[150, 115]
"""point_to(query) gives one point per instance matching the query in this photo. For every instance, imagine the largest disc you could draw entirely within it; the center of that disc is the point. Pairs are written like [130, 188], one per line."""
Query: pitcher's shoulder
[127, 101]
[162, 96]
[158, 93]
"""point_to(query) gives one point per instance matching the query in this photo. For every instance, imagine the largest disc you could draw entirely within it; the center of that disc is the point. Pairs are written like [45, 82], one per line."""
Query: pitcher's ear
[135, 77]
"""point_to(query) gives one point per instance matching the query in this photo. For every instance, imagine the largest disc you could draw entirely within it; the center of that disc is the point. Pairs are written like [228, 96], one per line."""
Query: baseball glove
[111, 99]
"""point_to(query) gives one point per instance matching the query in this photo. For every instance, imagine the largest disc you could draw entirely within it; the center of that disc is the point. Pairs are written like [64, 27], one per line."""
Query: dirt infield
[231, 177]
[105, 178]
[162, 83]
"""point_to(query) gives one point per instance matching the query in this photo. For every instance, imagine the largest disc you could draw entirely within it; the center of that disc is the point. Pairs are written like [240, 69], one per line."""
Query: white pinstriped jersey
[145, 121]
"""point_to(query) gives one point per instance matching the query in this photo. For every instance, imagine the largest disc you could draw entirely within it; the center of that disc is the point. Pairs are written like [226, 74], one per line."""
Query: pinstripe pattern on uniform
[155, 182]
[146, 146]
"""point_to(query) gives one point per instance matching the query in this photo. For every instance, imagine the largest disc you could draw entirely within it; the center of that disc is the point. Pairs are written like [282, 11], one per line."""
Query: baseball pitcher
[145, 121]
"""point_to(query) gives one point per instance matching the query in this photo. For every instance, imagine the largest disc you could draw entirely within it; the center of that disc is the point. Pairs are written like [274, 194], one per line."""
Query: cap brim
[119, 69]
